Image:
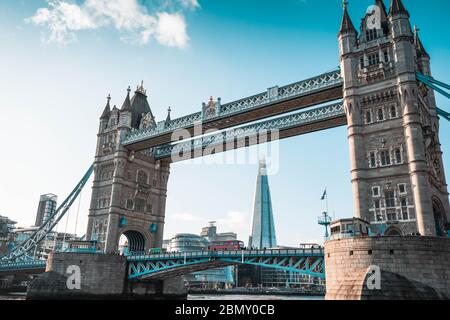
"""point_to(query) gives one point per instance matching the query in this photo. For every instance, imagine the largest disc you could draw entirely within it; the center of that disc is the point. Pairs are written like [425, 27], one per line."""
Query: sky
[60, 59]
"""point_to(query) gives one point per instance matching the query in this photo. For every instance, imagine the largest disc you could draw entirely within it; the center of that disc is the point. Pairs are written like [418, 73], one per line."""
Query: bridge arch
[136, 240]
[439, 217]
[393, 231]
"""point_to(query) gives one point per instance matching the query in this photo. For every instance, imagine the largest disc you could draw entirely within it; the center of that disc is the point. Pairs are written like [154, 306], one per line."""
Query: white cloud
[171, 30]
[64, 18]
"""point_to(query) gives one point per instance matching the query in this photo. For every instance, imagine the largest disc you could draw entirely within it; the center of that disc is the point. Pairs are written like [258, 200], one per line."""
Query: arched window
[368, 117]
[140, 205]
[142, 177]
[380, 114]
[393, 112]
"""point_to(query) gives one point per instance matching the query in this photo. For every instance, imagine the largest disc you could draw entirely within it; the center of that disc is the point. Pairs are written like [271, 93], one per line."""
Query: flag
[324, 195]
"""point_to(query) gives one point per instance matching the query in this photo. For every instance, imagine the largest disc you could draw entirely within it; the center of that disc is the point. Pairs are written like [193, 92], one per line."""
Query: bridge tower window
[374, 59]
[368, 117]
[142, 177]
[394, 112]
[389, 199]
[129, 204]
[140, 205]
[398, 156]
[385, 158]
[404, 206]
[386, 56]
[372, 159]
[380, 114]
[402, 188]
[371, 34]
[375, 191]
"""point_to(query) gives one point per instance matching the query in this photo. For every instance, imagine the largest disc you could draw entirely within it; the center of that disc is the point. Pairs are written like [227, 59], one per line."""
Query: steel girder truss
[19, 254]
[306, 262]
[272, 95]
[229, 136]
[23, 265]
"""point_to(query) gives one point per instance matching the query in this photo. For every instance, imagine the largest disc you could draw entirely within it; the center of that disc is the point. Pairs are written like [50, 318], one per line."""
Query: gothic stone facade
[393, 129]
[130, 189]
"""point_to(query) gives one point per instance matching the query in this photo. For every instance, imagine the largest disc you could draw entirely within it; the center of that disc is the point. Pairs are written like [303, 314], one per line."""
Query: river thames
[200, 297]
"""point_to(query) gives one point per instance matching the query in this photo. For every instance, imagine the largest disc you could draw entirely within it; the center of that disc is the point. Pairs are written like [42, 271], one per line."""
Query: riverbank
[258, 292]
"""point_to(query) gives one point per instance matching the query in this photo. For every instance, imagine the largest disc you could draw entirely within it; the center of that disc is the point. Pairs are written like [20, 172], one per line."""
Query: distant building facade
[208, 279]
[263, 226]
[46, 208]
[6, 228]
[210, 233]
[54, 241]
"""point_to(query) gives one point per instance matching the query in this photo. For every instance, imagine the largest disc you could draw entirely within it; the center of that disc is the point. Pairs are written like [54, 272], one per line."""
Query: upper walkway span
[275, 101]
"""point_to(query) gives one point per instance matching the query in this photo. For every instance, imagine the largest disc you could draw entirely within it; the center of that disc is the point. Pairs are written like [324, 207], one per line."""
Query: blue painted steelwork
[328, 112]
[23, 265]
[272, 95]
[306, 261]
[19, 253]
[443, 114]
[434, 84]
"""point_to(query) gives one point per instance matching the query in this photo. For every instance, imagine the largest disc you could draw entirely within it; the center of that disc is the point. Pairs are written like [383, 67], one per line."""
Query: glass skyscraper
[46, 208]
[263, 226]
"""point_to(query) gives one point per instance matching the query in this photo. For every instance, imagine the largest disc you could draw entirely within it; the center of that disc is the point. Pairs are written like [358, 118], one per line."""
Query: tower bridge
[383, 92]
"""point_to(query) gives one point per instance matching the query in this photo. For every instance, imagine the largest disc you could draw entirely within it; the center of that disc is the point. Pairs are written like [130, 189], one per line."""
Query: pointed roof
[263, 226]
[168, 119]
[421, 52]
[139, 106]
[127, 103]
[397, 7]
[107, 111]
[346, 24]
[380, 3]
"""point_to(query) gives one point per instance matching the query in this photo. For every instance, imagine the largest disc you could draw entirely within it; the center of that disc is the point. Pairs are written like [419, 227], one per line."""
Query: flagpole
[326, 198]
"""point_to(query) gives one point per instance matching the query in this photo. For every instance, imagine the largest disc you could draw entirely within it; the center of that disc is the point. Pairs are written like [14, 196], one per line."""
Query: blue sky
[54, 89]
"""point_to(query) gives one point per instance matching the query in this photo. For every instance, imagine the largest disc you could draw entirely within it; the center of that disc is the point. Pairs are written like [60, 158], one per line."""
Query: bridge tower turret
[396, 161]
[129, 190]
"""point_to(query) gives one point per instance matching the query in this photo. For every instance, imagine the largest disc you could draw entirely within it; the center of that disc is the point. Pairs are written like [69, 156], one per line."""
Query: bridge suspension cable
[436, 85]
[20, 252]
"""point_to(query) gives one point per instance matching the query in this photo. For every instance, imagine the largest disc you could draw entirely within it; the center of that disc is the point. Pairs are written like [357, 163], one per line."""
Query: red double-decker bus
[226, 245]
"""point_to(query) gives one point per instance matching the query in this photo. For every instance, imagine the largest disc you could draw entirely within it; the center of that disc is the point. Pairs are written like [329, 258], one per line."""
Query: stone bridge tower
[398, 176]
[130, 189]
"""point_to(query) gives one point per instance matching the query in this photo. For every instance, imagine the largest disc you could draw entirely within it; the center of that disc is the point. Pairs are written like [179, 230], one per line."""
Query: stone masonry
[397, 170]
[411, 268]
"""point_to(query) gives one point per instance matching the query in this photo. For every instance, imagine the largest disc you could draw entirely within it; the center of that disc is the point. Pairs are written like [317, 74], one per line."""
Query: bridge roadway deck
[163, 266]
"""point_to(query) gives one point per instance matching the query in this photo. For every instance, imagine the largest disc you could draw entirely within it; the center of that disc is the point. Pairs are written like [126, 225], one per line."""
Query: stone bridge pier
[98, 276]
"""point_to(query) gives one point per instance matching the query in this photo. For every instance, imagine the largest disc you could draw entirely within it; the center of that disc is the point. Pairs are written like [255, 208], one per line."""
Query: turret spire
[380, 3]
[397, 7]
[168, 119]
[127, 103]
[421, 52]
[107, 111]
[141, 89]
[346, 24]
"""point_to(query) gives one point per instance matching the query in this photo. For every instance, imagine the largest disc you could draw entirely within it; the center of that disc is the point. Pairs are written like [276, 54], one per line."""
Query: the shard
[263, 226]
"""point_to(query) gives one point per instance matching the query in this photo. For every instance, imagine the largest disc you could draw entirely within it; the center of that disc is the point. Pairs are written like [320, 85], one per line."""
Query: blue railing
[135, 256]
